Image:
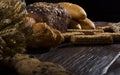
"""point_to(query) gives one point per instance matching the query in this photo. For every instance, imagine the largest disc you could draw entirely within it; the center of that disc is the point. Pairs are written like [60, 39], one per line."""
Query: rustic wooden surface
[84, 60]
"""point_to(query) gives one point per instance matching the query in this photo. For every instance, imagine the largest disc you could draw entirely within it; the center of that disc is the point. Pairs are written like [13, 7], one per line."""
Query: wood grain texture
[84, 60]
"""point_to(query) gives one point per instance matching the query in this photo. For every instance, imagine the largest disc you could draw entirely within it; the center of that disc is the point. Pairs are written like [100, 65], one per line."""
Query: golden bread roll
[43, 34]
[87, 24]
[74, 25]
[76, 11]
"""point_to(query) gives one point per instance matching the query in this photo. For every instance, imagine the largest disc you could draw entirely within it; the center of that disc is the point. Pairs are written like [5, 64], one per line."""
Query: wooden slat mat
[84, 60]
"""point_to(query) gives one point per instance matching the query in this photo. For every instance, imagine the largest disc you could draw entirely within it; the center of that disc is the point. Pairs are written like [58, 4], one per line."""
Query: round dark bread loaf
[54, 15]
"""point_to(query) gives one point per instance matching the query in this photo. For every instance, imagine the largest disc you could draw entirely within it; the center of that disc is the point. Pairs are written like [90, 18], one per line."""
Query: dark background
[97, 10]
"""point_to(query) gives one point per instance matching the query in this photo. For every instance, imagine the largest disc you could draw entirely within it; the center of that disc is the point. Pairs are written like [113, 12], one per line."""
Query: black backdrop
[97, 10]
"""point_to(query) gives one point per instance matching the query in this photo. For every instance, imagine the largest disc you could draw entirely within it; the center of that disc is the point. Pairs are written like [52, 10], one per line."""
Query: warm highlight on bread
[76, 11]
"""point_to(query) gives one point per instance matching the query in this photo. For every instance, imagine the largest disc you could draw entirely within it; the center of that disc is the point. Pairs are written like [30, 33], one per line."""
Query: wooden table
[85, 60]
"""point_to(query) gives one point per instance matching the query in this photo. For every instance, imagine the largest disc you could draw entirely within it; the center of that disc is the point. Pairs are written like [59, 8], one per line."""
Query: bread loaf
[44, 36]
[54, 15]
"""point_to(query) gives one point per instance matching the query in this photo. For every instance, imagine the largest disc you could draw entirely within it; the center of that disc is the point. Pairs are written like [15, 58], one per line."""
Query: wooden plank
[84, 60]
